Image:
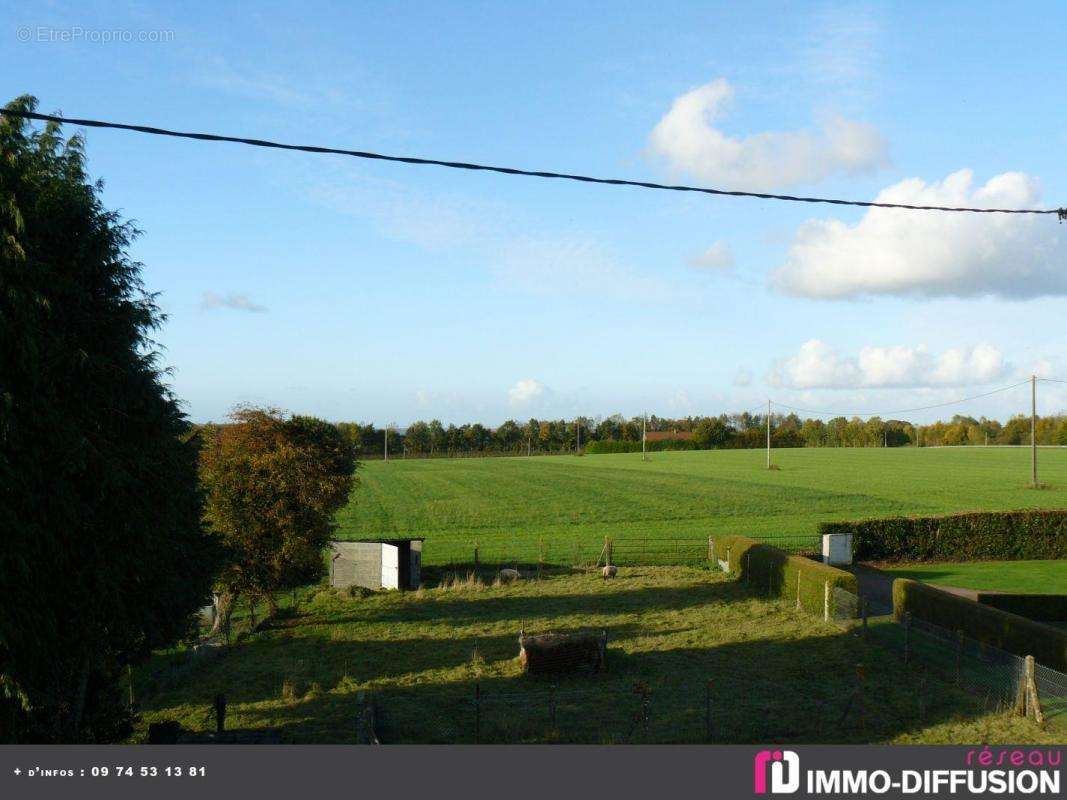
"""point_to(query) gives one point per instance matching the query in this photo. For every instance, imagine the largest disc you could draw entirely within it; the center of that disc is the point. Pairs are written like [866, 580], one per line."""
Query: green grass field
[699, 642]
[503, 503]
[1023, 577]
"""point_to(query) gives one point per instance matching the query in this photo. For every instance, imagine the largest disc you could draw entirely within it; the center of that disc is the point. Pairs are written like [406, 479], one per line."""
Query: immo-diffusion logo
[784, 770]
[1011, 771]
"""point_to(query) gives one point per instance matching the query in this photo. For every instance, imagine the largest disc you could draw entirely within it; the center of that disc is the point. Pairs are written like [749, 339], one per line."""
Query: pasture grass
[1021, 577]
[513, 504]
[684, 643]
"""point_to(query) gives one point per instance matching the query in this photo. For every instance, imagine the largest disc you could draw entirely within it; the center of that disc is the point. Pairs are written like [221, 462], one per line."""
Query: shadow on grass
[486, 606]
[741, 692]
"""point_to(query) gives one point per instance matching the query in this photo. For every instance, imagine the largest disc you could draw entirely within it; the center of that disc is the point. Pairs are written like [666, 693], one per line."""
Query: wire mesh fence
[996, 678]
[726, 709]
[562, 554]
[556, 553]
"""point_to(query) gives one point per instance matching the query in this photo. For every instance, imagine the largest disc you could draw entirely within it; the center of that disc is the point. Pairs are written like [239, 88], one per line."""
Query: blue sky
[383, 292]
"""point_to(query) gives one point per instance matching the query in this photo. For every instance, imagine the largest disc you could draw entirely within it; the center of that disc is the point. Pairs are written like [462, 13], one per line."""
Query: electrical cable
[899, 410]
[212, 137]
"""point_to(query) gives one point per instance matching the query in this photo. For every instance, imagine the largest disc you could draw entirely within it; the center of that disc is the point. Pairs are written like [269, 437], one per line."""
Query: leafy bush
[975, 536]
[1001, 629]
[1045, 607]
[793, 578]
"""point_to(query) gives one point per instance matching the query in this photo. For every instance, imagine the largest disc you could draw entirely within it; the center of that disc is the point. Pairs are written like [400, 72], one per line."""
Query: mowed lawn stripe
[519, 501]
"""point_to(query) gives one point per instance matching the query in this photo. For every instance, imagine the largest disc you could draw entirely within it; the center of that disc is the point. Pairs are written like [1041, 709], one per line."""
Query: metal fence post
[860, 675]
[959, 657]
[220, 713]
[907, 637]
[552, 708]
[477, 713]
[922, 697]
[707, 710]
[648, 711]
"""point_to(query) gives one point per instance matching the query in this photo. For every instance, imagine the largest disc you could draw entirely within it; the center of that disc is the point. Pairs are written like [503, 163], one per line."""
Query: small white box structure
[837, 548]
[377, 564]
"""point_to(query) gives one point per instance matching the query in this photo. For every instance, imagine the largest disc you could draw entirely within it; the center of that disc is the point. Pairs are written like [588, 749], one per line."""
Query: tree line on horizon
[725, 431]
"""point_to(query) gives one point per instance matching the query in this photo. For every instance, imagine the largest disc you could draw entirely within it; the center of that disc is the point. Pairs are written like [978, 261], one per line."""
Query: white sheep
[609, 571]
[509, 575]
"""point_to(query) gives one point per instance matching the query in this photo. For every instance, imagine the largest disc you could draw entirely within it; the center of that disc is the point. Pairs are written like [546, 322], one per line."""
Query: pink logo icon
[781, 783]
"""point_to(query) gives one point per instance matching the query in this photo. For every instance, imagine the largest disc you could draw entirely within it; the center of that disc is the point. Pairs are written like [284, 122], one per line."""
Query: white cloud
[817, 365]
[716, 257]
[211, 301]
[527, 392]
[690, 143]
[933, 254]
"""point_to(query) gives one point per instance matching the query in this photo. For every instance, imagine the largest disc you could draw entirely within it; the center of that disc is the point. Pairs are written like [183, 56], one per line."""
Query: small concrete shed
[377, 563]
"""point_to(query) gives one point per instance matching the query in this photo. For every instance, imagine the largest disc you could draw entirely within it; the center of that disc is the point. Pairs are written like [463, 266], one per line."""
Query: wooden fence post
[607, 551]
[475, 556]
[711, 550]
[1034, 701]
[798, 590]
[826, 601]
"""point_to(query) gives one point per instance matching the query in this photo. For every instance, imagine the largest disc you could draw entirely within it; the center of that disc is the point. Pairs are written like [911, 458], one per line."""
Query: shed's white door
[390, 566]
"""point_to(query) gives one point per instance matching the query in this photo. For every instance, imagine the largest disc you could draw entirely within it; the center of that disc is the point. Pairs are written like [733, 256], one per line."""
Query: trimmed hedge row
[601, 446]
[1044, 607]
[1002, 629]
[780, 574]
[975, 536]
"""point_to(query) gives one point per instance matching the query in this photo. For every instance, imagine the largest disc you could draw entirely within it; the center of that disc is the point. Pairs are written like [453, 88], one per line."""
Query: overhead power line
[212, 137]
[901, 410]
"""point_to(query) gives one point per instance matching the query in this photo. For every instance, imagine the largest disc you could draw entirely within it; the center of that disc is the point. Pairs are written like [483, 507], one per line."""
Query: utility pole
[1033, 430]
[644, 454]
[768, 434]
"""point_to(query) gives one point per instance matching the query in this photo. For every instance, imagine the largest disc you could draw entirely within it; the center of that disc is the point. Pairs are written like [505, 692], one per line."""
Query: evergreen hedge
[973, 536]
[615, 446]
[1043, 607]
[1001, 629]
[778, 573]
